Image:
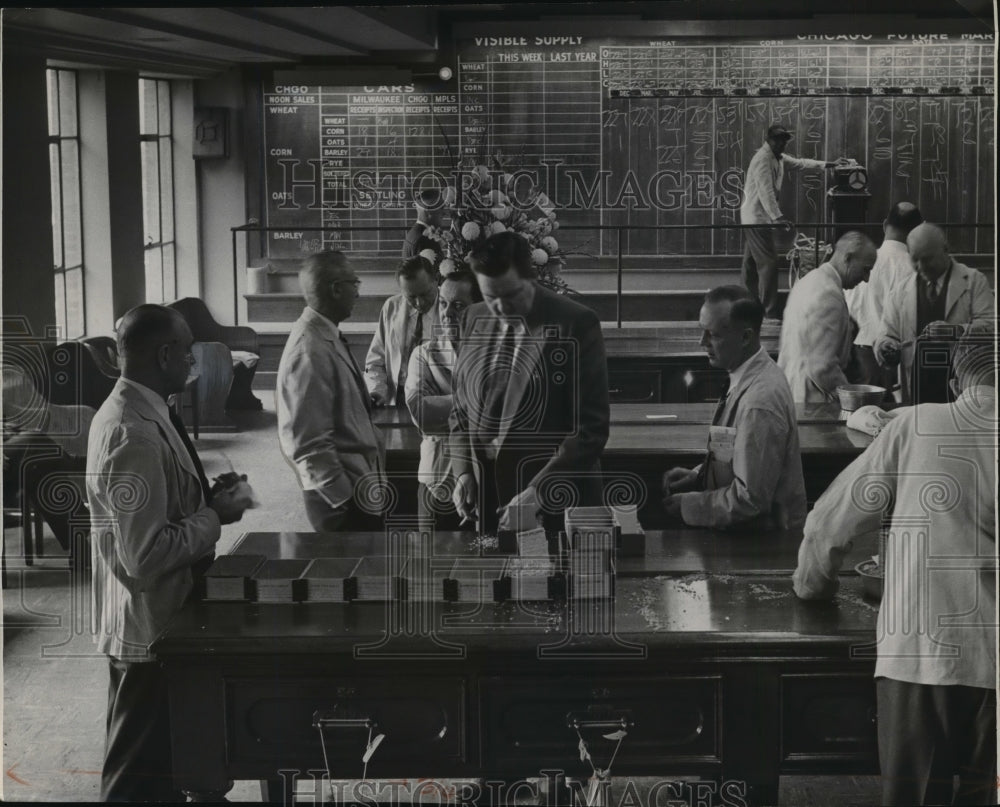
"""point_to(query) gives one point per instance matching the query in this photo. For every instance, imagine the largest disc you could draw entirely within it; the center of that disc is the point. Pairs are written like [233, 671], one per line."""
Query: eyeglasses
[356, 282]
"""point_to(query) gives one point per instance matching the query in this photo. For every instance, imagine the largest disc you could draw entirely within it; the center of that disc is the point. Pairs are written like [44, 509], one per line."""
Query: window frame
[57, 139]
[158, 137]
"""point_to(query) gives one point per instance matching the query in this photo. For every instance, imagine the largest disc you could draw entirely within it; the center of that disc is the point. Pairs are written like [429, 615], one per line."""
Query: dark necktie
[721, 406]
[408, 348]
[931, 291]
[200, 566]
[178, 424]
[365, 397]
[499, 379]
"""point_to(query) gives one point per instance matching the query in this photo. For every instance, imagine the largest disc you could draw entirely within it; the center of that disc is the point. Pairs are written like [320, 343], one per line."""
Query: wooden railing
[820, 230]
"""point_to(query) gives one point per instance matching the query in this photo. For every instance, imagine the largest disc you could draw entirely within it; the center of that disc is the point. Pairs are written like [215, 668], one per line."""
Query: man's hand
[672, 506]
[844, 161]
[785, 223]
[464, 497]
[939, 329]
[230, 504]
[521, 512]
[377, 400]
[887, 352]
[677, 480]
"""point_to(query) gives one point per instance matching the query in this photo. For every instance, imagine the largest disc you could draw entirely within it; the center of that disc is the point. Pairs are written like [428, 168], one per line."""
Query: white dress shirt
[763, 182]
[867, 299]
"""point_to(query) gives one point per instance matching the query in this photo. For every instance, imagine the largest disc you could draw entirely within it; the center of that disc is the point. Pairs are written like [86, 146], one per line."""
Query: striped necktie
[404, 364]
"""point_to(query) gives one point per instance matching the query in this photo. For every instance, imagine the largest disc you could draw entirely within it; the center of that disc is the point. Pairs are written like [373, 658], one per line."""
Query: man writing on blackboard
[760, 206]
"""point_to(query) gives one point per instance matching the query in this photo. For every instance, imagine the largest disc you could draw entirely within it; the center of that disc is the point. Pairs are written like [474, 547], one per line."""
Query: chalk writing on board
[351, 157]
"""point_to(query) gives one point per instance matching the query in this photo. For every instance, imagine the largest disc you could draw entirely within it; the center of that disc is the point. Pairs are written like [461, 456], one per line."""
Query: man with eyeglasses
[154, 522]
[938, 302]
[324, 410]
[406, 320]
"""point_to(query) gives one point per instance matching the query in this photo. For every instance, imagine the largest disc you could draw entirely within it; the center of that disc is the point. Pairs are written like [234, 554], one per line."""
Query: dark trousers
[760, 269]
[928, 733]
[137, 756]
[347, 518]
[438, 513]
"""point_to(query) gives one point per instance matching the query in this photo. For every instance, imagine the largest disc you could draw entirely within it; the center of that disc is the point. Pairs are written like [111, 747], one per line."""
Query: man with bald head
[816, 334]
[153, 520]
[324, 410]
[866, 300]
[938, 302]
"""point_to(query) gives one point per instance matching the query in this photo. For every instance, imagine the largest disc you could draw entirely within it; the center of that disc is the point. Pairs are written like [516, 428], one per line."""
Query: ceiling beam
[185, 31]
[401, 20]
[264, 17]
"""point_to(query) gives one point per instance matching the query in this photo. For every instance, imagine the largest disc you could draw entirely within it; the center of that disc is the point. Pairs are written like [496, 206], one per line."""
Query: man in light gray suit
[324, 410]
[154, 522]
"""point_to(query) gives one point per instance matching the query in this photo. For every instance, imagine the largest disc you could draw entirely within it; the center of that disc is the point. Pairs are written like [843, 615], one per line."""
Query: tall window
[155, 133]
[67, 225]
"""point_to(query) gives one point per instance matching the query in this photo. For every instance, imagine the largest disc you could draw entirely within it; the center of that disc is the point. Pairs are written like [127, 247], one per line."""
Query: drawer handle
[615, 391]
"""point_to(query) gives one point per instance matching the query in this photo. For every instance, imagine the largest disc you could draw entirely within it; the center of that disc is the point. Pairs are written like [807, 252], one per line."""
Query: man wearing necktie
[937, 304]
[530, 397]
[752, 472]
[324, 410]
[405, 321]
[153, 521]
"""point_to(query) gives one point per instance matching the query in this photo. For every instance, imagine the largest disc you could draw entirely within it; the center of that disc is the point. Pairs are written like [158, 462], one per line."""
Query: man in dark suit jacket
[531, 413]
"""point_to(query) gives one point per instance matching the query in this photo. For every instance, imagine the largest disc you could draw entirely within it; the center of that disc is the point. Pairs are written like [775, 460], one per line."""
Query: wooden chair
[76, 378]
[234, 386]
[46, 445]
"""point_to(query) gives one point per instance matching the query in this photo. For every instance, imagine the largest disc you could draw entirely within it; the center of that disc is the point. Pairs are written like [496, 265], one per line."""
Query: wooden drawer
[634, 386]
[675, 720]
[423, 722]
[826, 717]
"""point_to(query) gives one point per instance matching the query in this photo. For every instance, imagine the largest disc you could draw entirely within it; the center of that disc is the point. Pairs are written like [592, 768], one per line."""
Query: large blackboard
[642, 133]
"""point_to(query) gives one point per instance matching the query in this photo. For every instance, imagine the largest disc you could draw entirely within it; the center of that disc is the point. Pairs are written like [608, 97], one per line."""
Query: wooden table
[650, 414]
[725, 674]
[638, 450]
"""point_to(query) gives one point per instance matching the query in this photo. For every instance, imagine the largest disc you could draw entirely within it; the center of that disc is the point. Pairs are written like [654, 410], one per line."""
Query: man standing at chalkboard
[760, 206]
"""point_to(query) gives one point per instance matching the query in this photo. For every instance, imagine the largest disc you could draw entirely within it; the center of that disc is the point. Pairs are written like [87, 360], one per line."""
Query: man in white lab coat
[867, 300]
[752, 474]
[939, 300]
[816, 334]
[934, 465]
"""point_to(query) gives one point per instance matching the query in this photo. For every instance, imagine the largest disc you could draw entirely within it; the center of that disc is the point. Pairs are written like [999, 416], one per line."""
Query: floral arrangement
[488, 202]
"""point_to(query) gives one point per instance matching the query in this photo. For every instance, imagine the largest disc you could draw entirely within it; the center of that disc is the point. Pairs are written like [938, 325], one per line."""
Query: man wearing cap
[760, 206]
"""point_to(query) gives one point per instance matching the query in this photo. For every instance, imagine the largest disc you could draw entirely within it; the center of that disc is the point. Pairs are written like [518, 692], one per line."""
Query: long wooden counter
[722, 671]
[640, 449]
[650, 414]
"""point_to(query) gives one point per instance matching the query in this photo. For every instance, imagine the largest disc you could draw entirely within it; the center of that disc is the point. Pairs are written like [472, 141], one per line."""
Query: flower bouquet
[483, 203]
